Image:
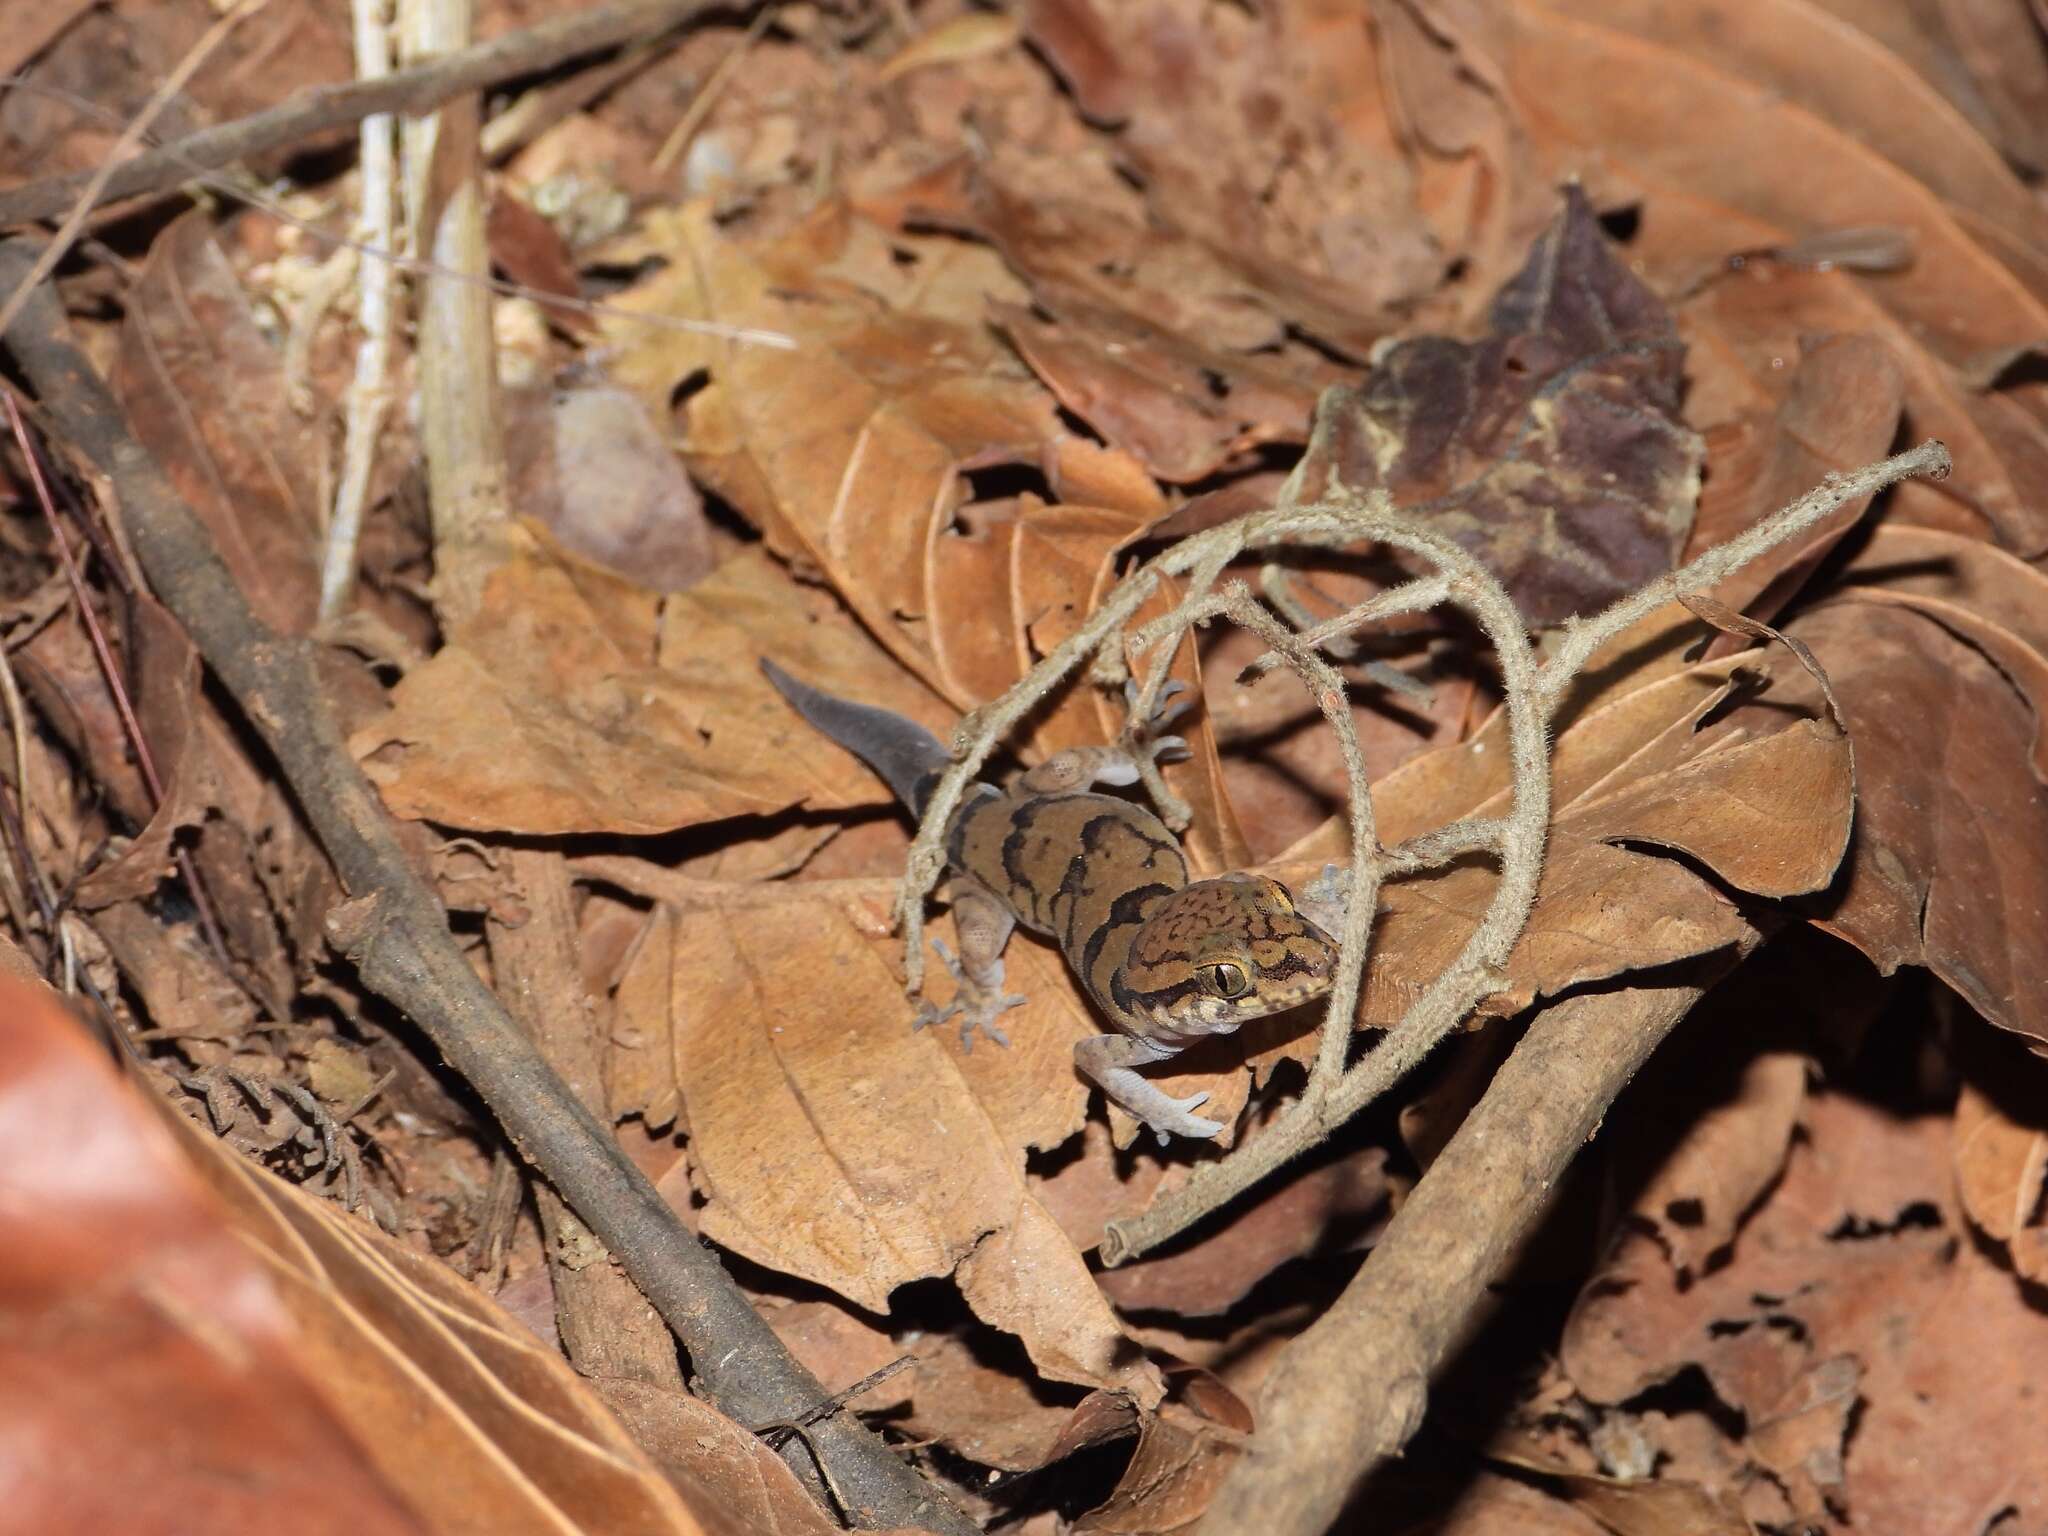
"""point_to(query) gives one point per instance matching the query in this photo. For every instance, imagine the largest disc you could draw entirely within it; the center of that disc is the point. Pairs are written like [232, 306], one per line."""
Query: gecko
[1167, 959]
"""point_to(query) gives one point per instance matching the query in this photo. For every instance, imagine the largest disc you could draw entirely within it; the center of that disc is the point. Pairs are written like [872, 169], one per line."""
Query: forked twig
[1532, 692]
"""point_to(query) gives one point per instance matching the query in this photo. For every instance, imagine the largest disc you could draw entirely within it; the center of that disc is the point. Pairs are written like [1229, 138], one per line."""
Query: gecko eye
[1225, 980]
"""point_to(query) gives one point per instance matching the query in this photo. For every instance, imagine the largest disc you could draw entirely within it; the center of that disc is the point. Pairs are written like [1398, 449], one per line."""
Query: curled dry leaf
[854, 452]
[1553, 448]
[1765, 806]
[190, 1339]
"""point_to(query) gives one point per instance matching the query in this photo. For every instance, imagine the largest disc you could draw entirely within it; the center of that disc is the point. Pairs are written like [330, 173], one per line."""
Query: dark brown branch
[396, 932]
[326, 108]
[1351, 1391]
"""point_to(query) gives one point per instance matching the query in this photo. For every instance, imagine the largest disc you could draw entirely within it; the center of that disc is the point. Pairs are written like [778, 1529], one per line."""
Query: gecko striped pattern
[1165, 960]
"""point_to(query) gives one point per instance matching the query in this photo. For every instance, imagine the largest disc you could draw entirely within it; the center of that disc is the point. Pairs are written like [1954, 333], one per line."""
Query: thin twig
[396, 933]
[131, 135]
[117, 687]
[327, 109]
[753, 336]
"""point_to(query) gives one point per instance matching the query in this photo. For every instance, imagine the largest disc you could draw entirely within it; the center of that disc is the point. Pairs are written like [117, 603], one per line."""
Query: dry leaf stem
[396, 932]
[314, 112]
[1516, 839]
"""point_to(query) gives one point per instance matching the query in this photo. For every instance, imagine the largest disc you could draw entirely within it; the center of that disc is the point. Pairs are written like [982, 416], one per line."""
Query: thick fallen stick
[1351, 1391]
[396, 932]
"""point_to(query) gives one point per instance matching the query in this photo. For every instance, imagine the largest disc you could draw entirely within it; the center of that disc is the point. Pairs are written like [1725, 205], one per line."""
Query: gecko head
[1220, 952]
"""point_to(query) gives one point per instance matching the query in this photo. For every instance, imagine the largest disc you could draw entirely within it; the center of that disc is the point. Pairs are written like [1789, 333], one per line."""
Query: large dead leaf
[833, 1142]
[190, 1339]
[1226, 110]
[1764, 805]
[1552, 449]
[1789, 173]
[564, 706]
[853, 454]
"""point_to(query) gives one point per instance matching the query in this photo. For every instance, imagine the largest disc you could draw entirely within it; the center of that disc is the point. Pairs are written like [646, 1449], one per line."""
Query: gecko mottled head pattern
[1220, 952]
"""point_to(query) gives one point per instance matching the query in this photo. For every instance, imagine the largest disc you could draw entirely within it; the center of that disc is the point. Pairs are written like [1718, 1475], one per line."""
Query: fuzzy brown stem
[397, 934]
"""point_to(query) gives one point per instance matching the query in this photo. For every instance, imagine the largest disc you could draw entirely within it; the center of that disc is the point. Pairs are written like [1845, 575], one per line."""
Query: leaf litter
[1060, 285]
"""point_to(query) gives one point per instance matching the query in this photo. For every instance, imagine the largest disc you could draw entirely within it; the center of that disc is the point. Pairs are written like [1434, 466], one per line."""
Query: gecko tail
[908, 757]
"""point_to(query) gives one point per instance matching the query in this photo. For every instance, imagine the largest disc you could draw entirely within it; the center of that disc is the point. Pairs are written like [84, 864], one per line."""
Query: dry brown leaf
[1492, 1505]
[1943, 871]
[833, 1142]
[1858, 80]
[961, 40]
[850, 452]
[1552, 448]
[1731, 1152]
[1225, 111]
[292, 1364]
[164, 678]
[1978, 593]
[183, 989]
[560, 709]
[1947, 1349]
[1764, 173]
[1842, 410]
[1183, 1455]
[853, 454]
[730, 1479]
[1646, 1506]
[2001, 1165]
[204, 391]
[590, 466]
[1764, 805]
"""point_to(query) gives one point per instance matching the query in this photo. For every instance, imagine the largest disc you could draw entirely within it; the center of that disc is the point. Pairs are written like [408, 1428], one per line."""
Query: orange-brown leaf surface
[919, 326]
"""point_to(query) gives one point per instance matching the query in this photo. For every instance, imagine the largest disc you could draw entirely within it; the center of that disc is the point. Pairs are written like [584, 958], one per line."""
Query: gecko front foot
[1110, 1061]
[977, 1006]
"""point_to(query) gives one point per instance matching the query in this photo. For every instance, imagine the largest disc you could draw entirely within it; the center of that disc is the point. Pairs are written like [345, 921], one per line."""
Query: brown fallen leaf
[1210, 130]
[2001, 1160]
[831, 1141]
[590, 466]
[1842, 410]
[1552, 449]
[1788, 173]
[560, 707]
[1942, 871]
[1645, 1506]
[1183, 1454]
[204, 391]
[280, 1361]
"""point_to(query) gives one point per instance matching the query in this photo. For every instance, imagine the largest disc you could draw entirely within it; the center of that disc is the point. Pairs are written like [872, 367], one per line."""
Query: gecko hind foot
[976, 1006]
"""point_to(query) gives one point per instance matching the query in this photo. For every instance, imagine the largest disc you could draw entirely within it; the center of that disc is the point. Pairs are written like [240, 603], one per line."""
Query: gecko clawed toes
[1184, 1121]
[977, 1005]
